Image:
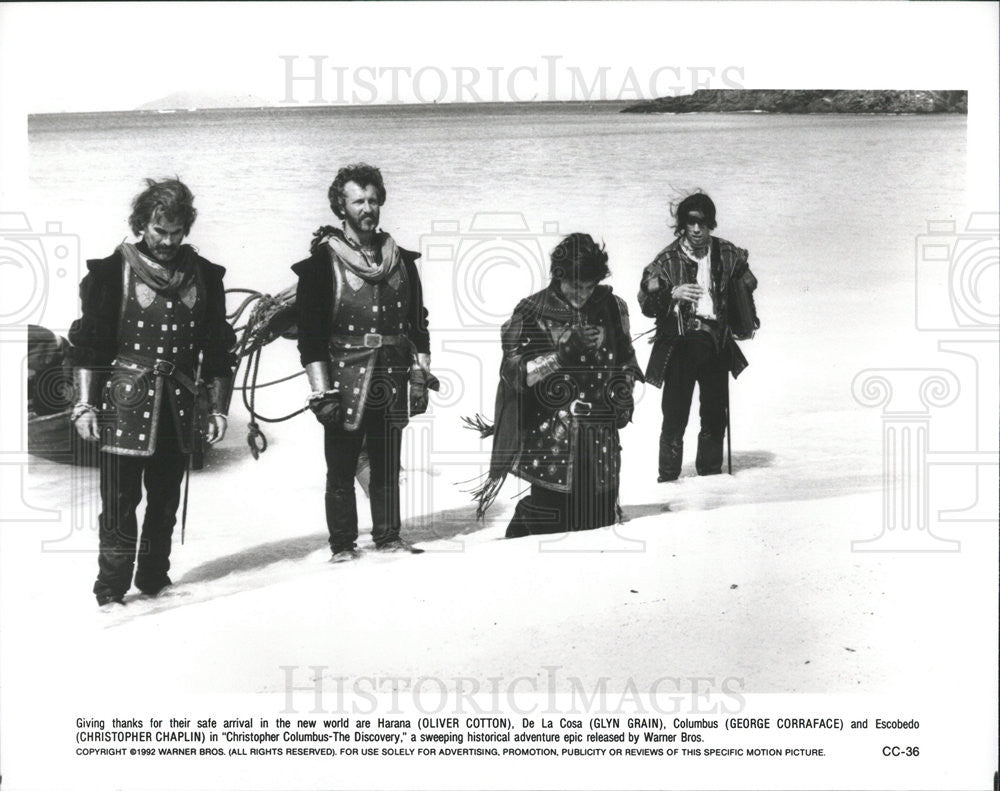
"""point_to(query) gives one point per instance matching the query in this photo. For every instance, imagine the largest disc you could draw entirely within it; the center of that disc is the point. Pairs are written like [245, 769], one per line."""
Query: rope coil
[269, 318]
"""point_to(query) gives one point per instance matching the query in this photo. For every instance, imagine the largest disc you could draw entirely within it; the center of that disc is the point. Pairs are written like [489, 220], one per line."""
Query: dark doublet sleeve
[522, 340]
[94, 336]
[313, 303]
[418, 319]
[218, 357]
[655, 304]
[742, 263]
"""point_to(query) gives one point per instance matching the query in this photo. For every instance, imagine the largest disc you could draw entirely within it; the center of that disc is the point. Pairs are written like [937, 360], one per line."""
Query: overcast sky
[118, 56]
[78, 57]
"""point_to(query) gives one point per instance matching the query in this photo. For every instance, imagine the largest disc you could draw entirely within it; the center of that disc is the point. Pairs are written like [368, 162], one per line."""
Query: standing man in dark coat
[364, 343]
[565, 391]
[697, 289]
[153, 323]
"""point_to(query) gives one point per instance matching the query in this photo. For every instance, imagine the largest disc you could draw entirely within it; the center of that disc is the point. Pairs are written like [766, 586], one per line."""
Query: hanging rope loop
[269, 318]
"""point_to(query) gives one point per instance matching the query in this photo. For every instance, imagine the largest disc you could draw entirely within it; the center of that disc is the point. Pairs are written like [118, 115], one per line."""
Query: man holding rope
[154, 315]
[364, 343]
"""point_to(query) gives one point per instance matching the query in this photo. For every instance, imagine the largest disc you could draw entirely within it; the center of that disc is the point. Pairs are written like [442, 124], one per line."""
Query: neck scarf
[163, 279]
[356, 261]
[689, 251]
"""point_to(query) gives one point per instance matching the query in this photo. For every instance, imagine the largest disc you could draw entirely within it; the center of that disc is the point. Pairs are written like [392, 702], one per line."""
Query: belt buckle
[587, 408]
[373, 340]
[164, 368]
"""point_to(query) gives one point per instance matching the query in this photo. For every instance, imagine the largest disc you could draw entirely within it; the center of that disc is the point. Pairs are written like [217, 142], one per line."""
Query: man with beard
[153, 322]
[565, 392]
[699, 289]
[364, 343]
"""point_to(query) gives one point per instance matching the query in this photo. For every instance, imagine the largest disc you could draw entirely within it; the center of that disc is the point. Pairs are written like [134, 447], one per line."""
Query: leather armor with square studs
[370, 352]
[154, 368]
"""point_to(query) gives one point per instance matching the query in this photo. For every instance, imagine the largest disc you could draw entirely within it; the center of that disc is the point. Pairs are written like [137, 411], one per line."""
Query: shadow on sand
[439, 526]
[773, 489]
[741, 461]
[446, 525]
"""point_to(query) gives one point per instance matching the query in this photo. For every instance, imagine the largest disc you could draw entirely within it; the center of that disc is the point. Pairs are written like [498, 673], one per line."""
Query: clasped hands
[576, 341]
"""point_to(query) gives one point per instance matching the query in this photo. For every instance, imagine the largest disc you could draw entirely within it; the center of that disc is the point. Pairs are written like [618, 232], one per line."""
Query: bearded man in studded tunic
[565, 392]
[153, 325]
[363, 340]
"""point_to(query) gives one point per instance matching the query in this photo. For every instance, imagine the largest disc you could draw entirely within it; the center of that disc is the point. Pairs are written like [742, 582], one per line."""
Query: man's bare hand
[689, 292]
[86, 426]
[593, 336]
[216, 429]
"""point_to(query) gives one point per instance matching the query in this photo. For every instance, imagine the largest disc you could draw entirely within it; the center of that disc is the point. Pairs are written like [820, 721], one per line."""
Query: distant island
[202, 100]
[813, 101]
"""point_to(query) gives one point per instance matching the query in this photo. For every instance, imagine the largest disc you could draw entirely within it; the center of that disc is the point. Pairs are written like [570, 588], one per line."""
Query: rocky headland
[807, 101]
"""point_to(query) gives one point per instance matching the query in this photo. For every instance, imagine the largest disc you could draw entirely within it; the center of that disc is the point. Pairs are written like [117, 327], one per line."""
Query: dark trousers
[122, 480]
[382, 436]
[694, 360]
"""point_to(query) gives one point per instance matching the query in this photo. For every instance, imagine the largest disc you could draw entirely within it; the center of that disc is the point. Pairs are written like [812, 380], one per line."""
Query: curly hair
[361, 174]
[698, 201]
[579, 257]
[170, 198]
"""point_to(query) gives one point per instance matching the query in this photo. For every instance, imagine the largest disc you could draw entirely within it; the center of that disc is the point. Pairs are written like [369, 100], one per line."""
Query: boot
[385, 512]
[671, 455]
[709, 458]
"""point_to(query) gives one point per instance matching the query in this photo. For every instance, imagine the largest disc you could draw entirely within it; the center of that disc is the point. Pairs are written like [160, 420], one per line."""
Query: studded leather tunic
[147, 346]
[567, 420]
[369, 352]
[366, 327]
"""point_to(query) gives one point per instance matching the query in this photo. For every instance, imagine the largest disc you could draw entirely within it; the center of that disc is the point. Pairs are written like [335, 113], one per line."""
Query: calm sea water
[813, 184]
[829, 206]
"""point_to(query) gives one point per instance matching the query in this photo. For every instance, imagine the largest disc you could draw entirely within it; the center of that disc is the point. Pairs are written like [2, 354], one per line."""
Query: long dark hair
[579, 257]
[170, 198]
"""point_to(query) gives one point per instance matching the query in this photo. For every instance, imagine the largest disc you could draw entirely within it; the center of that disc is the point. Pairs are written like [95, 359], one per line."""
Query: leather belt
[164, 368]
[694, 324]
[370, 340]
